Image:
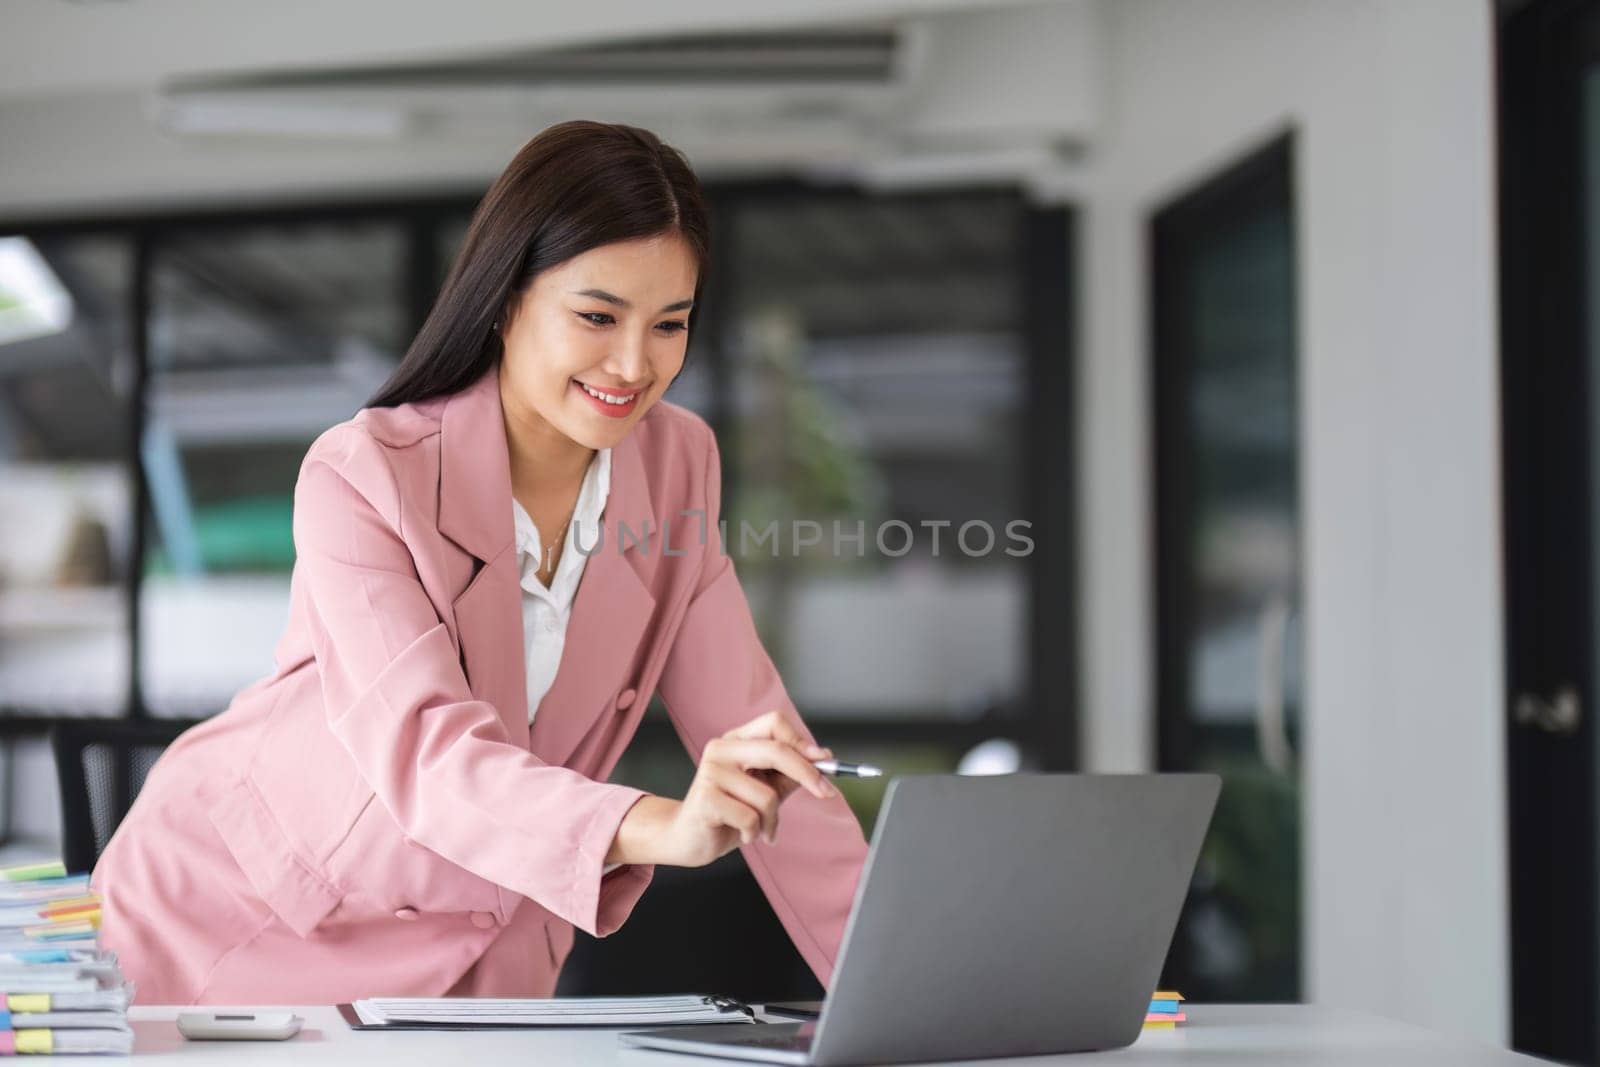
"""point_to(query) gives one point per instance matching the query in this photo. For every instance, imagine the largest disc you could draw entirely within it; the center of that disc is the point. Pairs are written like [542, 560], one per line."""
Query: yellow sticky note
[24, 1002]
[88, 915]
[38, 1041]
[1162, 1024]
[1166, 996]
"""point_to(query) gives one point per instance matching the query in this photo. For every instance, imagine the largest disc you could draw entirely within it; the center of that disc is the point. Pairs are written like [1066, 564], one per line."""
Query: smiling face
[593, 342]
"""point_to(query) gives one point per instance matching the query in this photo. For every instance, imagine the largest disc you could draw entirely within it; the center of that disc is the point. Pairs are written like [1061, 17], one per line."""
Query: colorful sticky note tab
[89, 914]
[32, 872]
[82, 900]
[41, 1042]
[72, 928]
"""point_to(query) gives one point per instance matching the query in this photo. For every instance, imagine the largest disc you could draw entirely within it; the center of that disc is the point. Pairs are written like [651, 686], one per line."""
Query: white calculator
[238, 1025]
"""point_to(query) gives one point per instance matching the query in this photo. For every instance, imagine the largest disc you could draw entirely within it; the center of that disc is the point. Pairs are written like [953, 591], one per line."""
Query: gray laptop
[996, 916]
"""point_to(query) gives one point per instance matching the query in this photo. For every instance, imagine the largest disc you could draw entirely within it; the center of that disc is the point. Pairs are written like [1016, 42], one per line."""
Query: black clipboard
[727, 1004]
[795, 1009]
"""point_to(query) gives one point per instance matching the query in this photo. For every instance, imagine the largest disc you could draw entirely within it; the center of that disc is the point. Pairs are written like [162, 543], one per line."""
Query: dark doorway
[1550, 193]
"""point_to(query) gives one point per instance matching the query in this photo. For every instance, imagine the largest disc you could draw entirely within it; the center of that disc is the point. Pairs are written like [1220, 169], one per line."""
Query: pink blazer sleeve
[398, 700]
[718, 676]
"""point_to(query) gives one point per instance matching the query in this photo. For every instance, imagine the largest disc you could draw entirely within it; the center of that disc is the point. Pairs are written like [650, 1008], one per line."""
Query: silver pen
[841, 769]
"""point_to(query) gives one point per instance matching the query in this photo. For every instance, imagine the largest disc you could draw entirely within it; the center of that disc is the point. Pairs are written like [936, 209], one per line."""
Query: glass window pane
[1242, 410]
[448, 238]
[1229, 566]
[65, 363]
[261, 338]
[878, 389]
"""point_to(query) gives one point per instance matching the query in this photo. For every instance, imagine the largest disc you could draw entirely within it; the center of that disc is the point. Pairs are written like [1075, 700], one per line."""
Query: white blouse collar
[583, 528]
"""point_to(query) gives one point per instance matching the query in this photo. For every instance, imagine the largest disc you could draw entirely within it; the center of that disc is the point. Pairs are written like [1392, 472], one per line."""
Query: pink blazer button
[482, 920]
[405, 913]
[625, 699]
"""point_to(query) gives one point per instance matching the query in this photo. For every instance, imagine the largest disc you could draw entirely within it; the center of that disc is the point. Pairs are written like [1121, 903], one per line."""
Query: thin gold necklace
[550, 550]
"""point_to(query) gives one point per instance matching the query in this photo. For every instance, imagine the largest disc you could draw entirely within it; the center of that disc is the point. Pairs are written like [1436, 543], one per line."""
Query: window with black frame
[261, 335]
[66, 382]
[1228, 564]
[871, 363]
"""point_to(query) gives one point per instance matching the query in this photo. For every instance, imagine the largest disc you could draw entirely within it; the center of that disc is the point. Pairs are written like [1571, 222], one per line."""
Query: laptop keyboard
[794, 1042]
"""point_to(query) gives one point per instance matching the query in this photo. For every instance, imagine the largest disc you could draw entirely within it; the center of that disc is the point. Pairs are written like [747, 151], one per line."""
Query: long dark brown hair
[575, 186]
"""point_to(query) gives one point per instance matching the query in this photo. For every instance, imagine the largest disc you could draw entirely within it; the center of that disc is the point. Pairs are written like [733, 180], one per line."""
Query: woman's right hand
[743, 777]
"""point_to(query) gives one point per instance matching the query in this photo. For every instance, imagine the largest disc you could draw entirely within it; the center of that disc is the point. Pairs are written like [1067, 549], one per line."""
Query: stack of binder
[60, 992]
[1166, 1011]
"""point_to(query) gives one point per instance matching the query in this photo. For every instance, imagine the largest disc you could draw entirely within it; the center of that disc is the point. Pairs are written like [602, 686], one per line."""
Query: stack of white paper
[555, 1011]
[60, 992]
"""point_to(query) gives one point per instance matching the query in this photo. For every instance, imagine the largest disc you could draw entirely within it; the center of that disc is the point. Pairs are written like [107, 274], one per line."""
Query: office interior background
[1273, 318]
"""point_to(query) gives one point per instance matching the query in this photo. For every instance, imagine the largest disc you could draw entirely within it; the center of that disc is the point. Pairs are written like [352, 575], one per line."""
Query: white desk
[1216, 1035]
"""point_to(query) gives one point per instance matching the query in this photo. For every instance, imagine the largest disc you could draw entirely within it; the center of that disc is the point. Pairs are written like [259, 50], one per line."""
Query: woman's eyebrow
[601, 294]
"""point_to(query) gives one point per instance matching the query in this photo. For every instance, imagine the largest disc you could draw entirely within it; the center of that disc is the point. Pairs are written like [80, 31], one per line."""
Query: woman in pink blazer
[377, 817]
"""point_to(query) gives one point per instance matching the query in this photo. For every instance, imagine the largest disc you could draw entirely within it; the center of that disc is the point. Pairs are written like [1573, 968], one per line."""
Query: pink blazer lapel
[610, 613]
[475, 513]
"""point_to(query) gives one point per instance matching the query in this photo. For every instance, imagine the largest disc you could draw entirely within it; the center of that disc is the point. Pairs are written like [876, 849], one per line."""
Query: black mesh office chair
[695, 930]
[101, 765]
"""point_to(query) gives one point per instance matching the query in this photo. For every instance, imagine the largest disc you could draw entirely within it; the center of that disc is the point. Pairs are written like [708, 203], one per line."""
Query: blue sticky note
[44, 955]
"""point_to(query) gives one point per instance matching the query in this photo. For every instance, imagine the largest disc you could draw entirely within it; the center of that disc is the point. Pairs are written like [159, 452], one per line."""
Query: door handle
[1559, 715]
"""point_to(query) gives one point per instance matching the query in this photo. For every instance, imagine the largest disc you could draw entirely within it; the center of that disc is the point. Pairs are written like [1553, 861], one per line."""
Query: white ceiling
[53, 46]
[984, 90]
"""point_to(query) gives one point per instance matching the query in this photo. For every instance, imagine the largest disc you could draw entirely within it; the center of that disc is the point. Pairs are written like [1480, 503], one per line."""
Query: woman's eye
[601, 318]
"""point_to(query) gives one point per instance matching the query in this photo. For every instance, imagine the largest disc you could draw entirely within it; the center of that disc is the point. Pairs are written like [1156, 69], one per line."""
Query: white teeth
[607, 397]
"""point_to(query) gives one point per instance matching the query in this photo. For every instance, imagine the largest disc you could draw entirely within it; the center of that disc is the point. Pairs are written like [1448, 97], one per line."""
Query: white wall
[1392, 103]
